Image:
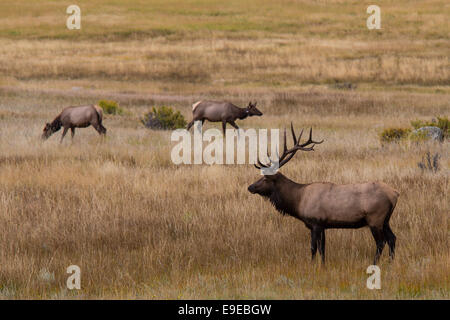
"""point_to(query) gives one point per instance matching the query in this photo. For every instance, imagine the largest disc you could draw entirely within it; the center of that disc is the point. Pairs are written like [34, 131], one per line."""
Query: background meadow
[141, 227]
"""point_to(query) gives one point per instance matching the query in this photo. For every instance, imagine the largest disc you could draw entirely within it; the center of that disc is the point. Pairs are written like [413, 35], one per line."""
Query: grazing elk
[224, 112]
[76, 117]
[326, 205]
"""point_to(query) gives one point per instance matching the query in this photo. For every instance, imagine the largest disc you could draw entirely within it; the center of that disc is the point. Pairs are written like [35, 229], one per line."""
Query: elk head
[267, 185]
[251, 110]
[49, 129]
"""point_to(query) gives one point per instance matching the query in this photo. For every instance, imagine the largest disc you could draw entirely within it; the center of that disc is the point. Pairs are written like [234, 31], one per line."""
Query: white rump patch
[195, 105]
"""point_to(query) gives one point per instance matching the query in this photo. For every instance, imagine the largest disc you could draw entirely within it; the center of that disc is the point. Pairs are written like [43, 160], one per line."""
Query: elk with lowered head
[76, 117]
[322, 205]
[224, 112]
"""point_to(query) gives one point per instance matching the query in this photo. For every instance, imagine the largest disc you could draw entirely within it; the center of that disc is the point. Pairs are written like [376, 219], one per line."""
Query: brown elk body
[326, 205]
[225, 112]
[76, 117]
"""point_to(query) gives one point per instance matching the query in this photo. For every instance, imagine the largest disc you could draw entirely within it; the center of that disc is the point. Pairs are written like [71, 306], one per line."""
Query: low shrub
[430, 162]
[345, 86]
[418, 136]
[442, 123]
[394, 134]
[164, 118]
[110, 107]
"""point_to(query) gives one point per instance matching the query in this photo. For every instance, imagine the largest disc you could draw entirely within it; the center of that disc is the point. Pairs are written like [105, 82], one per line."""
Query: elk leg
[63, 134]
[321, 245]
[315, 235]
[233, 124]
[380, 242]
[200, 126]
[224, 127]
[390, 237]
[190, 124]
[72, 131]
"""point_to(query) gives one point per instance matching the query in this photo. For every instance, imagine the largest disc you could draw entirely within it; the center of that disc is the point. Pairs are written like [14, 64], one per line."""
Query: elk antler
[289, 153]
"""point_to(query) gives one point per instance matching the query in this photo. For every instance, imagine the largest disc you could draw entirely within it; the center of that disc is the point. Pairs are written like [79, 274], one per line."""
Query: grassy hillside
[170, 45]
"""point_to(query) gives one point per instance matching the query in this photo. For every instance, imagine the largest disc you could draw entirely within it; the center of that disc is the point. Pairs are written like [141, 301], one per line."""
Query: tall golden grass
[140, 226]
[292, 62]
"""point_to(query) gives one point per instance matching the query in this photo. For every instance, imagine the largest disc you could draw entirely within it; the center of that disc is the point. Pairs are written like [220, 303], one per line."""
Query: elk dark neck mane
[286, 195]
[56, 124]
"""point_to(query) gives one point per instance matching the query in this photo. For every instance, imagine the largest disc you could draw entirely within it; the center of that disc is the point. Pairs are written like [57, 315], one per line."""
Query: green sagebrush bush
[110, 107]
[394, 134]
[418, 136]
[164, 118]
[397, 134]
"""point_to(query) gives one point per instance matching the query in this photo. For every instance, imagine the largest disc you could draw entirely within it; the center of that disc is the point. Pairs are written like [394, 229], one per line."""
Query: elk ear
[254, 104]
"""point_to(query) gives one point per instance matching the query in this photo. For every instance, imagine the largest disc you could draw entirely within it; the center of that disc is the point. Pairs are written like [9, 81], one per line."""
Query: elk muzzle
[46, 135]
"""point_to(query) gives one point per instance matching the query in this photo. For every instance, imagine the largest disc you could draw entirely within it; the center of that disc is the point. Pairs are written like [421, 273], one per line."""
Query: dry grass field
[141, 227]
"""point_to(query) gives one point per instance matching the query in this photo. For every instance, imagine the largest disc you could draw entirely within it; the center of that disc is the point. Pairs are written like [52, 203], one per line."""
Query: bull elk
[326, 205]
[76, 117]
[224, 112]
